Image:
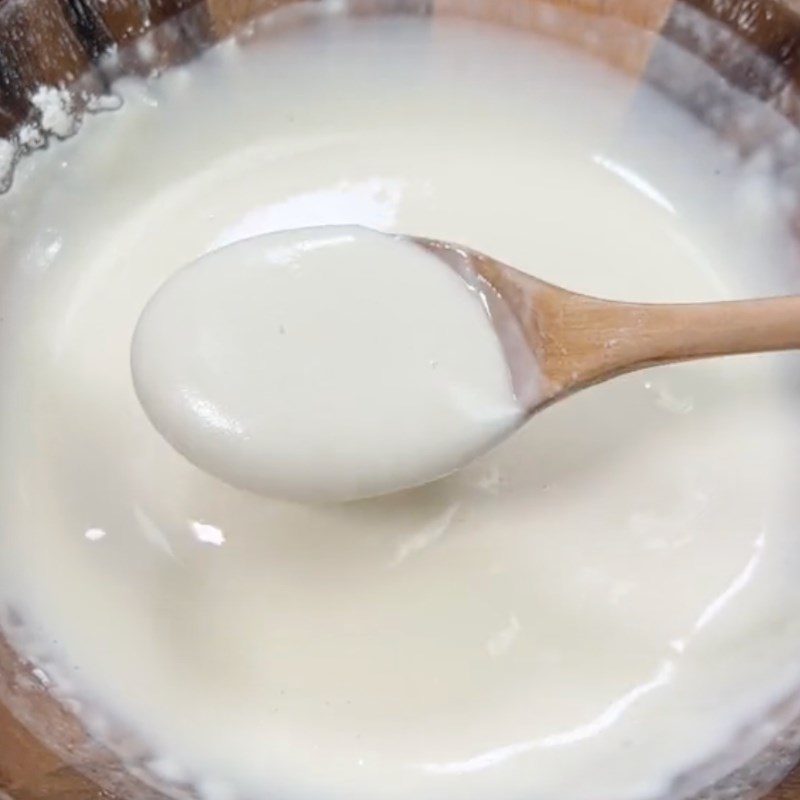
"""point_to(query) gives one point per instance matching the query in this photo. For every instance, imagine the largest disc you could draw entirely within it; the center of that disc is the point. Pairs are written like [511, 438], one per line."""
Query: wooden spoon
[560, 342]
[270, 436]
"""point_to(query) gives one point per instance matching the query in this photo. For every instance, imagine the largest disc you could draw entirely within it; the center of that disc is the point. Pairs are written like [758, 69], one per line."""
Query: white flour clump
[56, 110]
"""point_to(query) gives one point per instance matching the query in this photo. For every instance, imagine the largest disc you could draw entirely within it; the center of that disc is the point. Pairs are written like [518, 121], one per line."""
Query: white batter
[595, 607]
[328, 363]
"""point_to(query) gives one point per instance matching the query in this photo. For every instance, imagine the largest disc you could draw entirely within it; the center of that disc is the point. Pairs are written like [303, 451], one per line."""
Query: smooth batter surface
[323, 364]
[590, 610]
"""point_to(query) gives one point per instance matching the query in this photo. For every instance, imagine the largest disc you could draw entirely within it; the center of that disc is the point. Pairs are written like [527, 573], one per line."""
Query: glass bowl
[734, 64]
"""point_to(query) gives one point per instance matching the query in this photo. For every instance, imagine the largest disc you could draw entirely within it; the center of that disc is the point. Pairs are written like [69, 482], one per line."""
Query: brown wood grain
[28, 771]
[228, 15]
[788, 789]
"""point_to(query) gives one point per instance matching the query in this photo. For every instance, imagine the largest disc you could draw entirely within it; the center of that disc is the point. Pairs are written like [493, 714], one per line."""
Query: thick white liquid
[590, 610]
[323, 364]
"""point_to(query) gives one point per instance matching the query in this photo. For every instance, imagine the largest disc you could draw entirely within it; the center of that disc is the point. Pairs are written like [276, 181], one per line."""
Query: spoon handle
[578, 340]
[599, 339]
